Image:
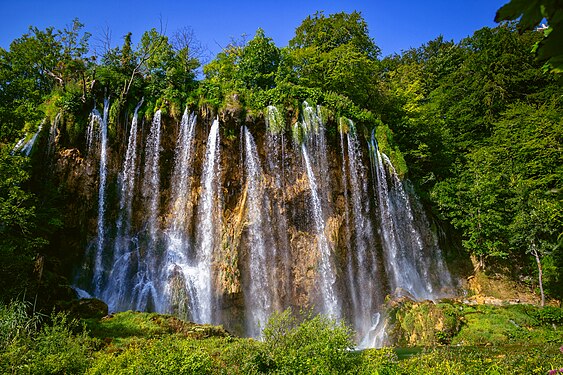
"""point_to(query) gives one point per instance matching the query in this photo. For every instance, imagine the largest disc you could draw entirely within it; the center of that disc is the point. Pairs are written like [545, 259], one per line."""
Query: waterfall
[207, 228]
[127, 179]
[180, 184]
[96, 121]
[151, 179]
[326, 267]
[364, 289]
[313, 130]
[117, 292]
[259, 299]
[53, 133]
[25, 147]
[145, 290]
[352, 287]
[179, 286]
[312, 225]
[410, 261]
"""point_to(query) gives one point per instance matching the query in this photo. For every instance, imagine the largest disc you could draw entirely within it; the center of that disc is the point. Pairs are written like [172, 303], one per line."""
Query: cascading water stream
[401, 278]
[126, 259]
[425, 256]
[259, 300]
[179, 288]
[314, 139]
[208, 228]
[151, 179]
[145, 291]
[180, 184]
[26, 147]
[275, 167]
[53, 132]
[127, 177]
[408, 260]
[352, 289]
[362, 263]
[102, 130]
[326, 269]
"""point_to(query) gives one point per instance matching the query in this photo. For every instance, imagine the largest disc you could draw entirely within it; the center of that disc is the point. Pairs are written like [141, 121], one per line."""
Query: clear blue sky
[395, 25]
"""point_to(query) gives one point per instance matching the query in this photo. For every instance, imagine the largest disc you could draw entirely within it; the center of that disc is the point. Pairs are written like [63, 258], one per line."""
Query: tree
[328, 33]
[336, 54]
[531, 138]
[531, 13]
[37, 64]
[18, 237]
[258, 62]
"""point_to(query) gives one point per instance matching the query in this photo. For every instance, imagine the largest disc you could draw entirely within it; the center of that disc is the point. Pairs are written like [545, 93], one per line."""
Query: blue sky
[394, 25]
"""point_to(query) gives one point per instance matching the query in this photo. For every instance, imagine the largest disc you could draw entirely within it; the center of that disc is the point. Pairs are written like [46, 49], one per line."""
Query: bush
[476, 360]
[52, 349]
[379, 361]
[317, 345]
[549, 315]
[168, 355]
[16, 323]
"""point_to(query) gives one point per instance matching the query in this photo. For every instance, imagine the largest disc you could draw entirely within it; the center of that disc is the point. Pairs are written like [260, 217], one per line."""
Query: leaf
[530, 11]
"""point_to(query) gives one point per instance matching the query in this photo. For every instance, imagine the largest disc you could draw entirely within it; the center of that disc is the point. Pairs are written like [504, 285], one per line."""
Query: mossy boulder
[88, 308]
[424, 323]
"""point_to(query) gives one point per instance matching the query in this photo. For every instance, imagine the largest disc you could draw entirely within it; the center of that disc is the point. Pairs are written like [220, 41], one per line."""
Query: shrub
[52, 349]
[549, 315]
[168, 355]
[308, 345]
[379, 361]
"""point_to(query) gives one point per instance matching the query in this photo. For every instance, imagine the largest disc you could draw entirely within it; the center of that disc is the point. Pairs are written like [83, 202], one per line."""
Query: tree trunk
[540, 274]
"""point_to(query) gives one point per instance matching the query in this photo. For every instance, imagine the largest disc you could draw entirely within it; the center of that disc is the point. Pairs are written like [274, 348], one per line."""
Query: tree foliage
[329, 33]
[530, 13]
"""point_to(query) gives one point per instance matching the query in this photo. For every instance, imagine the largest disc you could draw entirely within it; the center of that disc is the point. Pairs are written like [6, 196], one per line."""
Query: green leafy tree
[530, 13]
[336, 54]
[258, 62]
[19, 241]
[37, 64]
[527, 142]
[328, 33]
[220, 75]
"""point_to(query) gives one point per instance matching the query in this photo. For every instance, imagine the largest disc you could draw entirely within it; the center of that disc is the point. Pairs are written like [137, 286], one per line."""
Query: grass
[519, 339]
[505, 325]
[123, 328]
[491, 360]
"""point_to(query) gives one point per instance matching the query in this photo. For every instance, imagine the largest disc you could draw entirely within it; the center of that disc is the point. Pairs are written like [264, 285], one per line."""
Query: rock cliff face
[221, 220]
